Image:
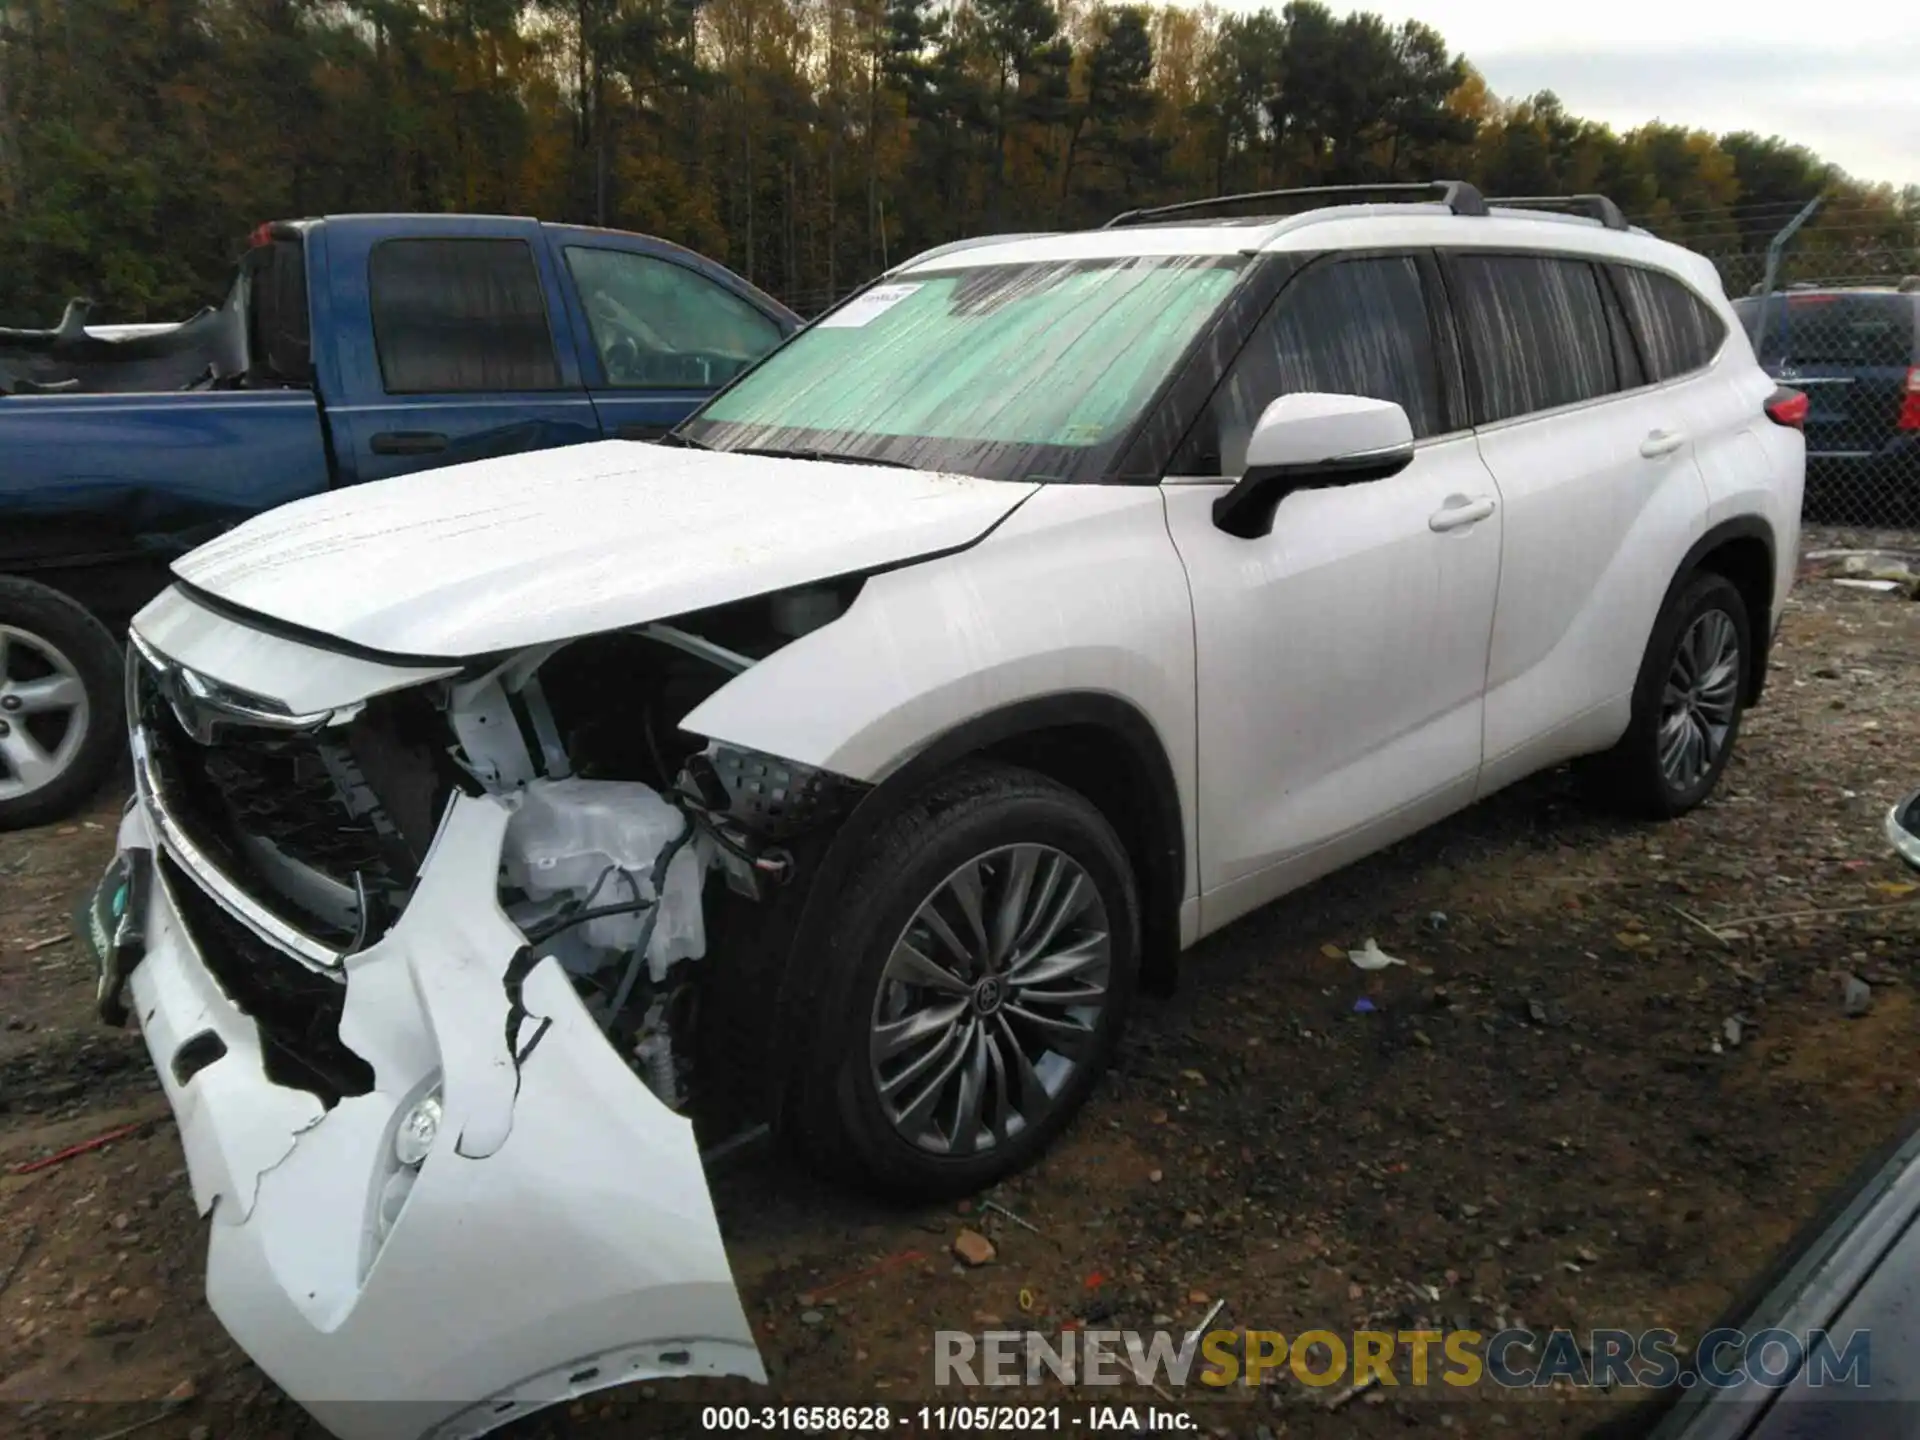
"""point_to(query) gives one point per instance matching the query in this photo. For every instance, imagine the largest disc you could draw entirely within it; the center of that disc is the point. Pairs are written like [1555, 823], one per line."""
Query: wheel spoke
[1075, 896]
[39, 697]
[1010, 914]
[931, 917]
[896, 1036]
[893, 1084]
[915, 1116]
[964, 886]
[1060, 1032]
[969, 1102]
[912, 966]
[30, 763]
[1076, 959]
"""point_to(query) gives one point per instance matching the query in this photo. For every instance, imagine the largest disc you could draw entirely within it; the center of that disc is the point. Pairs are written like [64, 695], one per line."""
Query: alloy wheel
[991, 999]
[44, 712]
[1700, 701]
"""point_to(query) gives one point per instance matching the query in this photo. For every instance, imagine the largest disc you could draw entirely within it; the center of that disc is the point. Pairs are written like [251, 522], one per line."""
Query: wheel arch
[1743, 549]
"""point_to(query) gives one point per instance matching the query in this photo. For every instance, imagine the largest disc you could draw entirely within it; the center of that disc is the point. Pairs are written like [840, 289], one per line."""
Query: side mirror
[1903, 829]
[1308, 441]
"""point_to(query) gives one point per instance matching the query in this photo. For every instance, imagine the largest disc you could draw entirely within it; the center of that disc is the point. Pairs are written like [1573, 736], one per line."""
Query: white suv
[849, 759]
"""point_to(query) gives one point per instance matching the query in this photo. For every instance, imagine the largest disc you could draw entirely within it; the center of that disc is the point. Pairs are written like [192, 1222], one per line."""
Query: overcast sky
[1845, 82]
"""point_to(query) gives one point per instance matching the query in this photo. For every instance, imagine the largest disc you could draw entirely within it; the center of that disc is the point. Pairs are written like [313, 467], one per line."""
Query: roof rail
[1594, 207]
[1460, 197]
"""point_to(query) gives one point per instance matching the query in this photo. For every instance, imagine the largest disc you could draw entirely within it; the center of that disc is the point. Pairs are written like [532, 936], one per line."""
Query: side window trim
[1449, 348]
[555, 350]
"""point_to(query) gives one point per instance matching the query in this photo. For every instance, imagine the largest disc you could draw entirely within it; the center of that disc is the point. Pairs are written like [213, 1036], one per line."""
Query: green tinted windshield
[1034, 371]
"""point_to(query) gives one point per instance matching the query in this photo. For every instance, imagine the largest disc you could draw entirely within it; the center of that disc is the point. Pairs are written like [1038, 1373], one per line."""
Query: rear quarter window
[1677, 331]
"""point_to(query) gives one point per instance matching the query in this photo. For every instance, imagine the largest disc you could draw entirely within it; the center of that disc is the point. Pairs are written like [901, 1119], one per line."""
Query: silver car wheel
[991, 999]
[44, 713]
[1700, 700]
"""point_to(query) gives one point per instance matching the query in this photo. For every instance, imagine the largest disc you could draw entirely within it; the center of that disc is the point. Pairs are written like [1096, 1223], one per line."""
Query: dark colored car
[1855, 353]
[350, 348]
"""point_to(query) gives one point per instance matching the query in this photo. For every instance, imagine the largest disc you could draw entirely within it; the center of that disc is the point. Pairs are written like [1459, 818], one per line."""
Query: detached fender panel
[558, 1236]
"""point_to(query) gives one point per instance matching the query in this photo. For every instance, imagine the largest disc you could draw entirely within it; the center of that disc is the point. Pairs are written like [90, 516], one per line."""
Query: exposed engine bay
[625, 833]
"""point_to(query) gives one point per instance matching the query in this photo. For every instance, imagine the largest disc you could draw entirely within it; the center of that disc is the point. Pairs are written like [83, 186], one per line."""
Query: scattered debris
[61, 1156]
[1002, 1210]
[174, 1400]
[812, 1317]
[1206, 1321]
[1364, 1006]
[1371, 957]
[1436, 919]
[1732, 1028]
[973, 1249]
[1341, 1398]
[43, 943]
[1858, 998]
[1699, 924]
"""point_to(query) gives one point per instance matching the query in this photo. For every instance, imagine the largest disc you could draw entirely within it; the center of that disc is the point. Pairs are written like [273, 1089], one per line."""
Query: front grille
[297, 1010]
[290, 817]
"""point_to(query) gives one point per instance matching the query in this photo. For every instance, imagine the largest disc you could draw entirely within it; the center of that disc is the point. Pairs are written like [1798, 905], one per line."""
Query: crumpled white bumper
[559, 1236]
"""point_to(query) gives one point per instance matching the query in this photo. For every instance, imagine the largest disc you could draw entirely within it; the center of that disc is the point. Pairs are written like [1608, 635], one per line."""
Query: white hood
[517, 551]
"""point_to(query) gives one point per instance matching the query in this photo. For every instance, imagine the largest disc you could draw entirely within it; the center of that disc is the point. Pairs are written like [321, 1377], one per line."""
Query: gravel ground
[1543, 1119]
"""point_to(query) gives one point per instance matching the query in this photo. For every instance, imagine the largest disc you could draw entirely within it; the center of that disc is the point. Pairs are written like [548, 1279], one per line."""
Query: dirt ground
[1541, 1121]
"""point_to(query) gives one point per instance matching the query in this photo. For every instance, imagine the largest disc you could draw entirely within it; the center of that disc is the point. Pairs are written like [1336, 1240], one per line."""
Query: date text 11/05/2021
[935, 1419]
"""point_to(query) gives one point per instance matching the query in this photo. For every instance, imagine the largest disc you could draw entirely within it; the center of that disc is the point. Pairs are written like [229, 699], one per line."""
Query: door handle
[640, 432]
[1460, 511]
[1662, 442]
[408, 442]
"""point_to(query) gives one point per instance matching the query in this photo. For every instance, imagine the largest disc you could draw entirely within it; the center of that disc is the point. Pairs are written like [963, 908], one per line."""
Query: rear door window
[459, 317]
[1678, 332]
[1536, 332]
[1352, 327]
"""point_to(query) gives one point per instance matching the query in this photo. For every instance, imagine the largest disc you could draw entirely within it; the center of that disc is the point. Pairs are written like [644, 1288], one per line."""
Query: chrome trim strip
[235, 901]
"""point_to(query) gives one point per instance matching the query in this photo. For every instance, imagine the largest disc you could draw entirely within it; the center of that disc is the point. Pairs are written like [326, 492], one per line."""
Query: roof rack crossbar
[1459, 196]
[1594, 207]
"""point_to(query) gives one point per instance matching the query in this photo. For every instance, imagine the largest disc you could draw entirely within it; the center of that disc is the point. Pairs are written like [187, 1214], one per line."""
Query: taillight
[1910, 402]
[1788, 407]
[262, 235]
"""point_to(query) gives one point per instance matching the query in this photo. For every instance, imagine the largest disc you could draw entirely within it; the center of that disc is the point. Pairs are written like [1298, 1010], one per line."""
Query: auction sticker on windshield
[865, 309]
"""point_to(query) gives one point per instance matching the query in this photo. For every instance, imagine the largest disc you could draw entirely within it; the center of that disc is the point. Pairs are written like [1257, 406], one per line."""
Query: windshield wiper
[674, 437]
[830, 456]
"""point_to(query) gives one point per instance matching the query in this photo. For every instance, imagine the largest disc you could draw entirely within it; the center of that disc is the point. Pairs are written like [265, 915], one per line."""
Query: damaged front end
[437, 976]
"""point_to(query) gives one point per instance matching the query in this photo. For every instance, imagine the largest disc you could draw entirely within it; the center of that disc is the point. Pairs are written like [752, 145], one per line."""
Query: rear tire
[924, 1080]
[1688, 702]
[62, 705]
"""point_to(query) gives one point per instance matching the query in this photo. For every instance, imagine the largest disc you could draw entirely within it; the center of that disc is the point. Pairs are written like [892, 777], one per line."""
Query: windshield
[1010, 372]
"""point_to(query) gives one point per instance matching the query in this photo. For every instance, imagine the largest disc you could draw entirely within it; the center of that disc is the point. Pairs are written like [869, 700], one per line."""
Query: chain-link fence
[1836, 316]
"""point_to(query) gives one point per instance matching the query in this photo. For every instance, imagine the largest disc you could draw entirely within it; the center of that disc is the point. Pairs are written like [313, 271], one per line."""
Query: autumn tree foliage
[808, 143]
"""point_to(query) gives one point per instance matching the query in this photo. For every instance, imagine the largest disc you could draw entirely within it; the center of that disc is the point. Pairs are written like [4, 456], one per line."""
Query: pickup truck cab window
[1013, 371]
[661, 325]
[460, 316]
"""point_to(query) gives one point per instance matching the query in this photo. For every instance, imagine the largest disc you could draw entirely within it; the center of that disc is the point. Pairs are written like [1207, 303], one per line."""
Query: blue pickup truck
[349, 348]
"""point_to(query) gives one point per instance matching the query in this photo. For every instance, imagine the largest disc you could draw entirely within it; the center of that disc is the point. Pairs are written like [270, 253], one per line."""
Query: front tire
[62, 729]
[977, 982]
[1687, 704]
